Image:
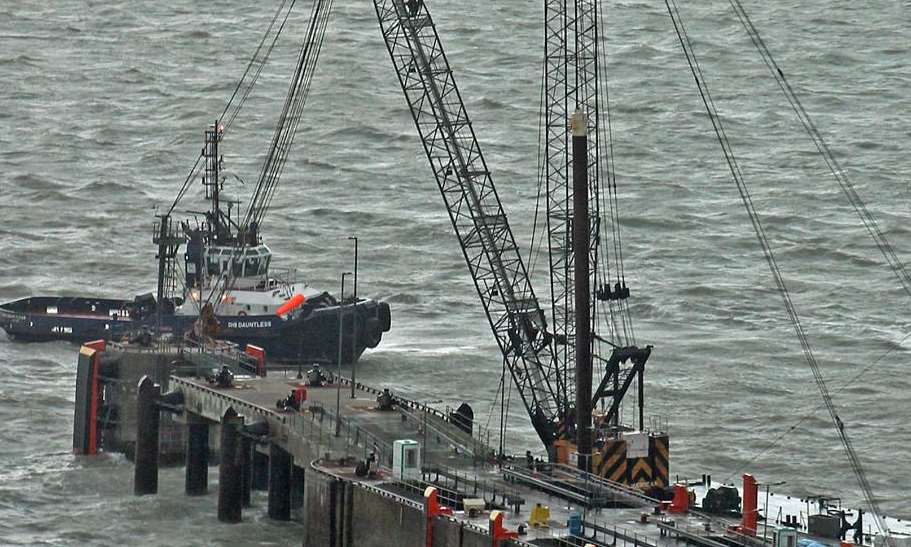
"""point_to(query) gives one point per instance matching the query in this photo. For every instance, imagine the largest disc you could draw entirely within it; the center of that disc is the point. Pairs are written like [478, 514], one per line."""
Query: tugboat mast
[211, 180]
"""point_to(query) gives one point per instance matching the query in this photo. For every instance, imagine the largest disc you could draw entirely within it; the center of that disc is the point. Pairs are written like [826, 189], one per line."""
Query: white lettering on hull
[249, 324]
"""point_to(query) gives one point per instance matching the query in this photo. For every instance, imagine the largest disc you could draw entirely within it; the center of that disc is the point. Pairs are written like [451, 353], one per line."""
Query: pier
[362, 467]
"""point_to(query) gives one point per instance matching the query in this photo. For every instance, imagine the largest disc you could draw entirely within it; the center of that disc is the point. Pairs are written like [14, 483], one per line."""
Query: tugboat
[226, 273]
[222, 285]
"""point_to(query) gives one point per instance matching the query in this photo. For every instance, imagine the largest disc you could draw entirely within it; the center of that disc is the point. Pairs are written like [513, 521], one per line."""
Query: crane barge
[552, 365]
[540, 357]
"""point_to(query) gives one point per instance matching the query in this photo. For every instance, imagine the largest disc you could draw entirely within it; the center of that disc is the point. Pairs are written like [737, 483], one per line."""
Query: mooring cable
[840, 175]
[743, 190]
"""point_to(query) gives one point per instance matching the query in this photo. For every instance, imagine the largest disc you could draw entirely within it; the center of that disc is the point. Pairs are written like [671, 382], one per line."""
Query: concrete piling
[247, 447]
[229, 471]
[260, 470]
[279, 483]
[297, 487]
[197, 457]
[145, 471]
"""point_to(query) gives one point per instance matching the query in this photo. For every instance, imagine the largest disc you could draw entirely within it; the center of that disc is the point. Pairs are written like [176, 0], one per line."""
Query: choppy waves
[98, 122]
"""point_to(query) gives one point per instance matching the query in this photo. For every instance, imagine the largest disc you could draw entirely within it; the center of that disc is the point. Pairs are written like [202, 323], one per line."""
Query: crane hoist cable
[840, 175]
[247, 87]
[289, 119]
[744, 192]
[282, 139]
[186, 183]
[259, 62]
[782, 433]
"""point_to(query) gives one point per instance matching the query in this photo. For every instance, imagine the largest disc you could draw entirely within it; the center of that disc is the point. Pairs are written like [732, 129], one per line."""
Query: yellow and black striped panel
[659, 451]
[613, 464]
[640, 470]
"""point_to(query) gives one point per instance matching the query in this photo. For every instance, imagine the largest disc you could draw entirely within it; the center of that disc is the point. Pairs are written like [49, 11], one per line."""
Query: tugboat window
[252, 267]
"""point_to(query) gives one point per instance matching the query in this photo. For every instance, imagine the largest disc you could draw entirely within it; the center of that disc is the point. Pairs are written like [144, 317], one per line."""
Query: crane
[573, 64]
[488, 246]
[474, 207]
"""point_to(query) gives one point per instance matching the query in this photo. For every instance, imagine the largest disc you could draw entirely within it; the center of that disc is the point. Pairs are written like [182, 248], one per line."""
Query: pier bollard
[432, 509]
[197, 460]
[229, 471]
[279, 483]
[260, 470]
[297, 487]
[145, 471]
[247, 447]
[498, 533]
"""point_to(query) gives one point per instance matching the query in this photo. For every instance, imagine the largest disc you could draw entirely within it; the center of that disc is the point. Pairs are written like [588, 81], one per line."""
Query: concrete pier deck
[308, 459]
[312, 430]
[459, 465]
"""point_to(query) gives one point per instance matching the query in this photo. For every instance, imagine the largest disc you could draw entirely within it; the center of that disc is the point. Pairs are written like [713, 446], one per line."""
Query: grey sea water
[102, 108]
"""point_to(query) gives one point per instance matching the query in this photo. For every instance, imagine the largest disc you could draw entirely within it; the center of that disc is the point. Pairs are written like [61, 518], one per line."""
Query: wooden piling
[297, 487]
[260, 470]
[247, 447]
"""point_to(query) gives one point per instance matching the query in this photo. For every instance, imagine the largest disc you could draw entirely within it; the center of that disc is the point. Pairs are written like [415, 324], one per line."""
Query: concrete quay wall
[342, 513]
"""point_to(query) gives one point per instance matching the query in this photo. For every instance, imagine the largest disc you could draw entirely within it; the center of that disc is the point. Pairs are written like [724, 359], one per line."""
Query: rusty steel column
[581, 244]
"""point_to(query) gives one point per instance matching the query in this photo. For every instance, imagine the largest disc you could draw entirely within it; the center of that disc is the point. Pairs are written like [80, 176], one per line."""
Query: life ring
[241, 313]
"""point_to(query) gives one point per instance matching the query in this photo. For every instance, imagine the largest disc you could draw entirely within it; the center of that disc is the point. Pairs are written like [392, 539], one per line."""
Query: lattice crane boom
[475, 209]
[573, 65]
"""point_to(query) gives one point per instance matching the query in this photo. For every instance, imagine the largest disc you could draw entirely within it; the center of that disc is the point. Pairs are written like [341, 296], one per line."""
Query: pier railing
[204, 358]
[318, 425]
[476, 443]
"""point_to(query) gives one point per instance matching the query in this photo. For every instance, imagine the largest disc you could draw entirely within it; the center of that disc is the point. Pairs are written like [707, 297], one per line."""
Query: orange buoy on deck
[295, 302]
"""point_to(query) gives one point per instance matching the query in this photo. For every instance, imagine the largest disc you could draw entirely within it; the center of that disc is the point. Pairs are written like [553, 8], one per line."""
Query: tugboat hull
[311, 336]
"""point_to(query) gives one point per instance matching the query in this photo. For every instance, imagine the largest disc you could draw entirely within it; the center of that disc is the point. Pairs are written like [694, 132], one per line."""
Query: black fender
[384, 315]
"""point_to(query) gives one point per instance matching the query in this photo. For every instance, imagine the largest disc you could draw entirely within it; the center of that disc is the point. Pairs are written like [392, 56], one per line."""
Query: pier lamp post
[765, 525]
[354, 326]
[354, 238]
[338, 376]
